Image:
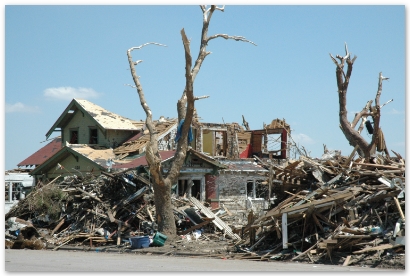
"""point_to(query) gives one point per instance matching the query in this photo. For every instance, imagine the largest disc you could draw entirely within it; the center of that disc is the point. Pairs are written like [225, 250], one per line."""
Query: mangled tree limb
[365, 149]
[185, 107]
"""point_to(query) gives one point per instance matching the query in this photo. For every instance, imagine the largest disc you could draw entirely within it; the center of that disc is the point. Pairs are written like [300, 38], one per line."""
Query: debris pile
[324, 209]
[337, 207]
[90, 209]
[110, 209]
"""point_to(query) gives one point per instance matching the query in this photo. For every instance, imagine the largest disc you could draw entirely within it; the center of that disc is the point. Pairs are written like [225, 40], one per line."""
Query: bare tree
[363, 147]
[162, 182]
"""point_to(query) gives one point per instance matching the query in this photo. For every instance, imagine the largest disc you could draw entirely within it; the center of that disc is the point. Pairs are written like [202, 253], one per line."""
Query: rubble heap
[350, 208]
[324, 209]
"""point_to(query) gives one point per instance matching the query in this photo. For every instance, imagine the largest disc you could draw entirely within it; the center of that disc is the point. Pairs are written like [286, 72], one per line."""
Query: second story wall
[84, 130]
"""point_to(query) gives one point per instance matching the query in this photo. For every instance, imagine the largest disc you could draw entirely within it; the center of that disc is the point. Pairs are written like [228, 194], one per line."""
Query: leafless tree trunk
[365, 149]
[185, 107]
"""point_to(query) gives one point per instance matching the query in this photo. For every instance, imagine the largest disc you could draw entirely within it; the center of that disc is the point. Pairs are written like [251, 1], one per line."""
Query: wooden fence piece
[217, 221]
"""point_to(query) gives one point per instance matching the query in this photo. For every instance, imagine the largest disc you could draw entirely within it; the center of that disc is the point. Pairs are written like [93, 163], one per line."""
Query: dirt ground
[218, 247]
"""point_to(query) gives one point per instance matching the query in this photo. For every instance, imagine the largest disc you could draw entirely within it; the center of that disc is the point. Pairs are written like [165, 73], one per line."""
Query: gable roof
[42, 154]
[104, 118]
[77, 150]
[96, 154]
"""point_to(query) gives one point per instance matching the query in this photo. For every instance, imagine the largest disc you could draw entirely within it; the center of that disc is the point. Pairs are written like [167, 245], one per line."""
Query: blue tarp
[179, 131]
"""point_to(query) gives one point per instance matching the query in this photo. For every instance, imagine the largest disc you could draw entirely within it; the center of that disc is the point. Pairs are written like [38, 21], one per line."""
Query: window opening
[93, 136]
[74, 137]
[272, 143]
[182, 184]
[196, 189]
[261, 190]
[249, 189]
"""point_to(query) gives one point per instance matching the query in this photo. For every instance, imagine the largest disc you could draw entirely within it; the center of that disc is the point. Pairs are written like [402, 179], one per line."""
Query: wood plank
[196, 226]
[382, 166]
[346, 262]
[376, 248]
[58, 226]
[326, 220]
[217, 221]
[317, 222]
[400, 210]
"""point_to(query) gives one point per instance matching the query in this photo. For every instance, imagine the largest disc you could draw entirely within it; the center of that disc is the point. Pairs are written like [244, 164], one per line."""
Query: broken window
[182, 185]
[261, 190]
[196, 189]
[93, 136]
[74, 136]
[249, 189]
[272, 143]
[214, 142]
[255, 189]
[185, 188]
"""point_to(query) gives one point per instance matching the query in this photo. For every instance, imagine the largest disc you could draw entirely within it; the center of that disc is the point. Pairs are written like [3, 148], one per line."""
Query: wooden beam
[382, 166]
[119, 233]
[351, 155]
[346, 262]
[400, 210]
[196, 226]
[88, 194]
[285, 230]
[58, 226]
[376, 248]
[317, 222]
[326, 220]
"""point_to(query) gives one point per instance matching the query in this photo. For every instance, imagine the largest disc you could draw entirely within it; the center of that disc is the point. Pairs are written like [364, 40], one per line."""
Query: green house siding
[82, 124]
[70, 166]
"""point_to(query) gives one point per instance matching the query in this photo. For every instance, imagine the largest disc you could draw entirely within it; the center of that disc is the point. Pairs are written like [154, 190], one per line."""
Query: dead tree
[363, 147]
[162, 183]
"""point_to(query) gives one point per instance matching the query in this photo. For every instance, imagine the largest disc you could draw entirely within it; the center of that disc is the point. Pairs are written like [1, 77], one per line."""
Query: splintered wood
[317, 208]
[329, 205]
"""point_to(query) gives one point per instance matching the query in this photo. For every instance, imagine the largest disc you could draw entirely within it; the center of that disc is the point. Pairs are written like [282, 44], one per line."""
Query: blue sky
[56, 53]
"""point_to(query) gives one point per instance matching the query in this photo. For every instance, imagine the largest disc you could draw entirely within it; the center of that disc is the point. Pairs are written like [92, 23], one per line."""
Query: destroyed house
[83, 122]
[197, 176]
[88, 134]
[242, 186]
[233, 141]
[166, 129]
[271, 141]
[94, 140]
[216, 139]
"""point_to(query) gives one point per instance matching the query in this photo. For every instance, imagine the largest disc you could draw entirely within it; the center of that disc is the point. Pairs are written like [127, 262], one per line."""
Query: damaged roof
[99, 156]
[141, 160]
[278, 123]
[242, 165]
[207, 158]
[139, 141]
[42, 154]
[104, 118]
[96, 154]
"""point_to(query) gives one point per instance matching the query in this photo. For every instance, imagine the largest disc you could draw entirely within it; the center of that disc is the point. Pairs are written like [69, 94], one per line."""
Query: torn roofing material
[139, 141]
[104, 118]
[140, 160]
[98, 155]
[207, 158]
[244, 165]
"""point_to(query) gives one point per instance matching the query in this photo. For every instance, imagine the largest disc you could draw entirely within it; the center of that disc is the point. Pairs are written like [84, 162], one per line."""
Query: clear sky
[56, 53]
